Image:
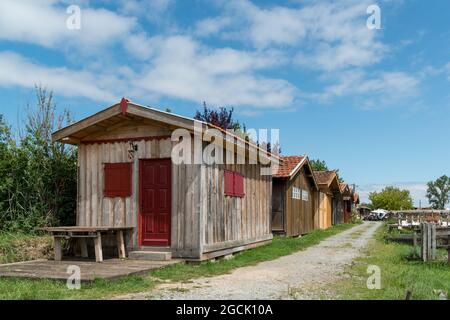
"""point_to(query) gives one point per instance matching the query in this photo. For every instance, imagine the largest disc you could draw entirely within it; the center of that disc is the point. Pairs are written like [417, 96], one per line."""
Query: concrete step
[154, 249]
[150, 255]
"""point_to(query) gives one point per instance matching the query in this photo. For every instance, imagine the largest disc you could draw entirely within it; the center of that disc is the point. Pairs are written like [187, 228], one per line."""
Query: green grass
[16, 247]
[20, 289]
[401, 270]
[48, 289]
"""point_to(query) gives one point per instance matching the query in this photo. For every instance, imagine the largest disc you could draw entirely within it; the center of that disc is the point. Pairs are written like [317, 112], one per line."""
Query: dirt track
[302, 275]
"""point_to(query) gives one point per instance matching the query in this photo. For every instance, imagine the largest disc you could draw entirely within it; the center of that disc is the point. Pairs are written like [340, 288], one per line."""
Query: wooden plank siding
[204, 221]
[231, 220]
[93, 208]
[325, 211]
[294, 217]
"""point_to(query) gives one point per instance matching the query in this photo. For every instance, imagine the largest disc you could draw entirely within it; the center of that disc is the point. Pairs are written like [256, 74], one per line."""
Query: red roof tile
[287, 165]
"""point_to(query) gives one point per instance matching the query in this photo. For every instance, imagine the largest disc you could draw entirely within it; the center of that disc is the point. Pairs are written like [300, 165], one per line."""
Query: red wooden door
[155, 199]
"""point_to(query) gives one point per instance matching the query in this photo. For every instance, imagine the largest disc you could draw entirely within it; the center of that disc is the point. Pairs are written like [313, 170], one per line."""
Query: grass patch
[21, 289]
[16, 247]
[401, 270]
[48, 289]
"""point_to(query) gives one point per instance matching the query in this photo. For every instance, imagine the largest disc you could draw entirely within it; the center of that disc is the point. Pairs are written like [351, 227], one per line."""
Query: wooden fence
[431, 238]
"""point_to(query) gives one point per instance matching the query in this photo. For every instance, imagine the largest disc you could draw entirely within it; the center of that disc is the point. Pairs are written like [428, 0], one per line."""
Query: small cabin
[294, 197]
[329, 198]
[347, 198]
[133, 172]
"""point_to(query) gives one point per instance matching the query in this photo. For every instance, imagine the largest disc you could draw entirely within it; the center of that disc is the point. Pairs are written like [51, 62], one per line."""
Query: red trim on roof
[126, 140]
[124, 105]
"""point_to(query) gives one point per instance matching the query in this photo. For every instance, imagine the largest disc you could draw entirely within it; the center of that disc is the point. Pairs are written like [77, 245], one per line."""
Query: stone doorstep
[150, 255]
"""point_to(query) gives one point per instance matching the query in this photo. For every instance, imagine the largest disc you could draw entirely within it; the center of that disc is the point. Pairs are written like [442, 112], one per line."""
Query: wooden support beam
[98, 248]
[83, 247]
[120, 245]
[58, 249]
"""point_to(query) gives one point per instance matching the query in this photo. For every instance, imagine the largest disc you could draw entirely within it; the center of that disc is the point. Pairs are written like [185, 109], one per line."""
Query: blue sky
[373, 103]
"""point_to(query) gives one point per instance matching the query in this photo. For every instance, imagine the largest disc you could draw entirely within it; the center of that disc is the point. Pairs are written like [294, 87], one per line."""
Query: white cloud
[153, 10]
[185, 69]
[330, 37]
[43, 22]
[211, 26]
[18, 71]
[380, 89]
[327, 35]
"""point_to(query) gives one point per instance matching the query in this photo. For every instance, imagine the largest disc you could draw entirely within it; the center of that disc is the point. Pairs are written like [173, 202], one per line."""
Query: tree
[5, 165]
[222, 118]
[40, 175]
[321, 165]
[438, 192]
[391, 198]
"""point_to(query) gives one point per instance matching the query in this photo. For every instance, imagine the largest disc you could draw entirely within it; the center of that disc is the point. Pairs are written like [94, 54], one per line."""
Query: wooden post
[429, 254]
[83, 247]
[433, 241]
[120, 244]
[415, 241]
[424, 241]
[98, 248]
[58, 249]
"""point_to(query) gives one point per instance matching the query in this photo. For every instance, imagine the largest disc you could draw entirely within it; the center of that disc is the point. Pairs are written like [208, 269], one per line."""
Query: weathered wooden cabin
[329, 198]
[127, 177]
[294, 197]
[347, 198]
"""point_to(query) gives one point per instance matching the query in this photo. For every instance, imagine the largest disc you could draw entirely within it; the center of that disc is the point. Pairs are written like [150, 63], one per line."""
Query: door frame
[141, 161]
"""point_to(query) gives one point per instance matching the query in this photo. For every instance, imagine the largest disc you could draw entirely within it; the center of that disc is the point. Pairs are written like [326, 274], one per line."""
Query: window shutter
[118, 180]
[239, 185]
[229, 183]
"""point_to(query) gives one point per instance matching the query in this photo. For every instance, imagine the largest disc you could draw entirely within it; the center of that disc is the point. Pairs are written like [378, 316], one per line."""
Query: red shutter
[238, 185]
[118, 180]
[229, 183]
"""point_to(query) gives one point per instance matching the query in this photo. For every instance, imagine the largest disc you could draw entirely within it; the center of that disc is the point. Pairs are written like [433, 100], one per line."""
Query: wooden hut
[329, 198]
[294, 197]
[347, 198]
[127, 177]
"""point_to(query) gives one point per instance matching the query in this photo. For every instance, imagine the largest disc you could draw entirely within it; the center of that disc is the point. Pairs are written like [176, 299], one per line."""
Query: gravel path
[302, 275]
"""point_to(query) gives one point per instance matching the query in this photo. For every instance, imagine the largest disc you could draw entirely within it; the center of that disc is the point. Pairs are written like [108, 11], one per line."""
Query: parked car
[377, 215]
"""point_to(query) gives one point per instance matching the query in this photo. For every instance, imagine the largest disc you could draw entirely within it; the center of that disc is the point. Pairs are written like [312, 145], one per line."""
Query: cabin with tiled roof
[294, 197]
[347, 197]
[330, 199]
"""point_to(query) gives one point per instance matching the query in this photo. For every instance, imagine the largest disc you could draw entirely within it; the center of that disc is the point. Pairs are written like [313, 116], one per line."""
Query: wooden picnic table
[84, 233]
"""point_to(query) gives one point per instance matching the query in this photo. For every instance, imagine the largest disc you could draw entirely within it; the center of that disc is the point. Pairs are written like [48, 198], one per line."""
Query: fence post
[433, 241]
[424, 246]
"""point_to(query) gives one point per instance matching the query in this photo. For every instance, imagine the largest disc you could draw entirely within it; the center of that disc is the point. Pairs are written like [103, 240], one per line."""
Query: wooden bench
[81, 234]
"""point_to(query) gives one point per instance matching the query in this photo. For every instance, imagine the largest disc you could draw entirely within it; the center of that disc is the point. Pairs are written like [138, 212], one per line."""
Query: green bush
[38, 177]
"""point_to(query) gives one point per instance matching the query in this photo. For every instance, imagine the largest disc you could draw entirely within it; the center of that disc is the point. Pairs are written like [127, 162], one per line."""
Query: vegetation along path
[302, 275]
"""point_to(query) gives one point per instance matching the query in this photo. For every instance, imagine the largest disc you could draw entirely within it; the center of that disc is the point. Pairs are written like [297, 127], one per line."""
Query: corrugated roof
[288, 166]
